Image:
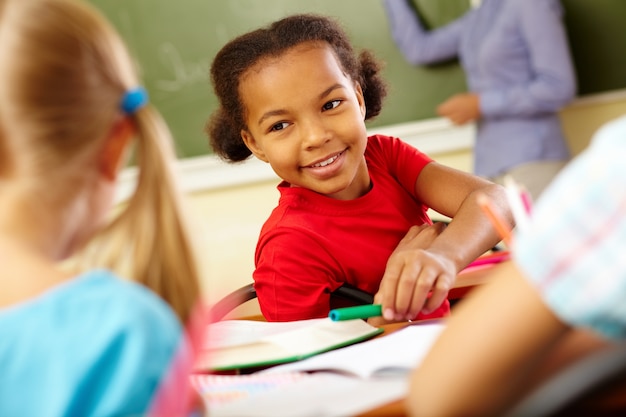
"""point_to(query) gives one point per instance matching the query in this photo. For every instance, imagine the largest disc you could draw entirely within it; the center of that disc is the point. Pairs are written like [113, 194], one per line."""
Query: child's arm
[413, 272]
[489, 351]
[454, 193]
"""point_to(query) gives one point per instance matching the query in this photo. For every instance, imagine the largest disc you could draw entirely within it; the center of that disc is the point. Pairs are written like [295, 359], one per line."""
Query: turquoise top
[93, 346]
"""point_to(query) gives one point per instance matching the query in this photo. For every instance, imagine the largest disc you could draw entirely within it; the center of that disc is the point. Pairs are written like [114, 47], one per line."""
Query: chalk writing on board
[182, 73]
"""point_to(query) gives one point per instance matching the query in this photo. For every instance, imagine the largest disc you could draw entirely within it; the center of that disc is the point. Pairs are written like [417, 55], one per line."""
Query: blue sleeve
[418, 45]
[553, 81]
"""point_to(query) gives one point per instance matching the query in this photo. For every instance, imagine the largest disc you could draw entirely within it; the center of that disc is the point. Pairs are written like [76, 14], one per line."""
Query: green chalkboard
[597, 35]
[174, 41]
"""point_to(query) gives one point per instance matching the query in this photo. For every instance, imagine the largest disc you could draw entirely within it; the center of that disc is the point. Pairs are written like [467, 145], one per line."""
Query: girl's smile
[326, 162]
[328, 167]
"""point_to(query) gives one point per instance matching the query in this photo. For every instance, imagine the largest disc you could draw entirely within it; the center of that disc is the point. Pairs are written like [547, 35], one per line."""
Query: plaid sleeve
[571, 251]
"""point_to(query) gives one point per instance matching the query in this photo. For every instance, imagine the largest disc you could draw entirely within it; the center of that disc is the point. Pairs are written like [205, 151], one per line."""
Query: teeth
[326, 162]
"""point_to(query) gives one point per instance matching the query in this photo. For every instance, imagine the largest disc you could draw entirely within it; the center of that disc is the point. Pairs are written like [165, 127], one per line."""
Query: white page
[317, 395]
[396, 353]
[328, 394]
[239, 332]
[270, 344]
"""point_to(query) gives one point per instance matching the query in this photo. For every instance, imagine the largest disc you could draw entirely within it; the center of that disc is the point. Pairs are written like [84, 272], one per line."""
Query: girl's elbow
[497, 195]
[495, 192]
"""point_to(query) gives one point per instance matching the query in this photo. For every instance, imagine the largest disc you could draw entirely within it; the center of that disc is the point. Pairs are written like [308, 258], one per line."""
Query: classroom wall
[229, 218]
[582, 118]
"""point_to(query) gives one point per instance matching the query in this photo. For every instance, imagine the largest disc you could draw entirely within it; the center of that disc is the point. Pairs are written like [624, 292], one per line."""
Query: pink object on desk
[495, 258]
[526, 201]
[487, 261]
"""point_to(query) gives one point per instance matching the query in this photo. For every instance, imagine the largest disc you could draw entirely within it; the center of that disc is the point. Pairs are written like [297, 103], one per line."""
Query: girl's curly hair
[237, 56]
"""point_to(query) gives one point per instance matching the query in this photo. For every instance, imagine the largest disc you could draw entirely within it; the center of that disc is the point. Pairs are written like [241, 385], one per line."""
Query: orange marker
[497, 221]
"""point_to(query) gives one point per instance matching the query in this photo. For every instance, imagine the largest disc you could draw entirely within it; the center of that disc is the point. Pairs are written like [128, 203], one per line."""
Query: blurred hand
[412, 273]
[460, 108]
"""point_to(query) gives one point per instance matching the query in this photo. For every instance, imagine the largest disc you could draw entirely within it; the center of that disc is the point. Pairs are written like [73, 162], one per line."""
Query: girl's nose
[314, 134]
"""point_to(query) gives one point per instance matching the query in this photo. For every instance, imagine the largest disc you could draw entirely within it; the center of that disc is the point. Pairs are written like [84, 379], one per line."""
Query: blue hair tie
[134, 99]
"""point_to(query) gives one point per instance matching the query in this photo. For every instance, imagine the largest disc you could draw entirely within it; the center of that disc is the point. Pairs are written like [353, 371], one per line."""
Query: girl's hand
[413, 273]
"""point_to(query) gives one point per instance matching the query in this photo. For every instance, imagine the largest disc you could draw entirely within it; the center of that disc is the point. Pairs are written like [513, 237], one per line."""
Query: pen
[496, 220]
[358, 312]
[518, 202]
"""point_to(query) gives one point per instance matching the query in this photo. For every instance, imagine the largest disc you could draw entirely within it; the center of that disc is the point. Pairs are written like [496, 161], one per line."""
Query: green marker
[358, 312]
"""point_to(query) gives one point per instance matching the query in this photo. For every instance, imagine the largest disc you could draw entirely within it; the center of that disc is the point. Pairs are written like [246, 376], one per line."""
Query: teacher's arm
[418, 45]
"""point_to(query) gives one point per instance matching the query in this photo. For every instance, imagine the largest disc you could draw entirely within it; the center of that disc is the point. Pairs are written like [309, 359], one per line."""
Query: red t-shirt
[312, 244]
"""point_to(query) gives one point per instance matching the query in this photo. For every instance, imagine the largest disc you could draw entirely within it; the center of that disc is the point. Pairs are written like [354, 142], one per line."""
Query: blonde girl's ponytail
[149, 241]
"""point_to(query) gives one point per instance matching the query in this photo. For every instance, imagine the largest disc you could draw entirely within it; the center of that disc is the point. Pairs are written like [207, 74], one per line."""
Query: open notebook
[393, 355]
[340, 382]
[238, 344]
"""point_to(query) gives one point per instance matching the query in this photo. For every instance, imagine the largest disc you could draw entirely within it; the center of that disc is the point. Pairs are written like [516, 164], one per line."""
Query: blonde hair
[63, 75]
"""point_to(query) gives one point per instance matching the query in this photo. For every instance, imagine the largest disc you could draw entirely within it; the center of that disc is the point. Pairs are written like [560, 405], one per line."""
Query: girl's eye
[278, 126]
[331, 104]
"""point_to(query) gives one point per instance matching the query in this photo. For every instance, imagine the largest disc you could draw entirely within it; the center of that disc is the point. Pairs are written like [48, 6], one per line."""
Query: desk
[343, 394]
[465, 282]
[604, 405]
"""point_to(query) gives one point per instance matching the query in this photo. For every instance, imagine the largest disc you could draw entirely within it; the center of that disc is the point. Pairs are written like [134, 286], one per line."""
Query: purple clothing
[516, 58]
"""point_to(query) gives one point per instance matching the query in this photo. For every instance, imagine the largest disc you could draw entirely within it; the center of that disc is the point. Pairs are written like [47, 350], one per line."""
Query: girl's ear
[360, 99]
[253, 145]
[113, 152]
